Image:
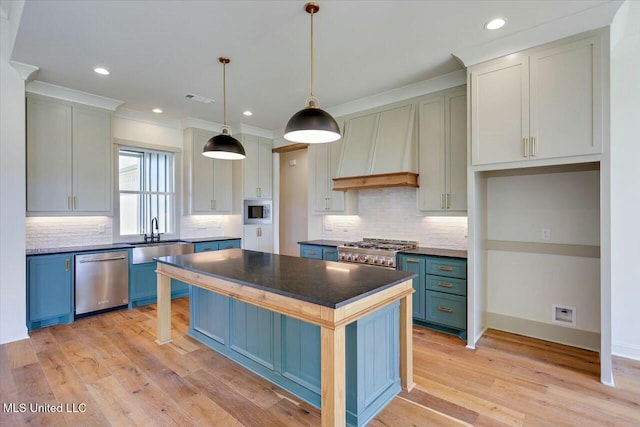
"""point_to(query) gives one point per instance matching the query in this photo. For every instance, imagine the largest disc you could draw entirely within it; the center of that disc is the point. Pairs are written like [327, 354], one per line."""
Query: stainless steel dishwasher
[102, 281]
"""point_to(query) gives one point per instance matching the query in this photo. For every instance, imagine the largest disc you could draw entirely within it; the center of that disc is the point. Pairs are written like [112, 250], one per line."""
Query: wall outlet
[100, 228]
[328, 226]
[545, 234]
[563, 315]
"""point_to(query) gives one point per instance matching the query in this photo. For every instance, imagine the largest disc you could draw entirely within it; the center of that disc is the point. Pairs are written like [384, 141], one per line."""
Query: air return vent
[199, 98]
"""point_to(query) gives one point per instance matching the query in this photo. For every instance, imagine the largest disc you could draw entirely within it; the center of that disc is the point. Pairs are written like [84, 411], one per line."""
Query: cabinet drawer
[311, 251]
[446, 309]
[206, 246]
[330, 254]
[229, 244]
[450, 267]
[446, 284]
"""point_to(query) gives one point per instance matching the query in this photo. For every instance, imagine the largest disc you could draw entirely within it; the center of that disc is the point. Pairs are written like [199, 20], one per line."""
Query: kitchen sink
[146, 252]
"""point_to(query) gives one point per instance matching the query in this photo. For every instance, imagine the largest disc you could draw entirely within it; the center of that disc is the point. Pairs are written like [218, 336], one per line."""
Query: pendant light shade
[224, 146]
[312, 125]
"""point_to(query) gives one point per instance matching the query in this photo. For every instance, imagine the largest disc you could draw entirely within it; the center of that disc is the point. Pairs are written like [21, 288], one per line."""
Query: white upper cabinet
[258, 167]
[323, 167]
[443, 153]
[69, 158]
[379, 142]
[544, 103]
[208, 183]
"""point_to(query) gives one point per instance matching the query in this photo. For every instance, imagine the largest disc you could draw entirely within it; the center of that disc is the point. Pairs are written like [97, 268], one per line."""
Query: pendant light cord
[224, 91]
[312, 54]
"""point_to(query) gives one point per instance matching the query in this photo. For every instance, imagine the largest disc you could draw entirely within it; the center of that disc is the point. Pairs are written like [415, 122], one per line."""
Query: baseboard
[628, 351]
[545, 331]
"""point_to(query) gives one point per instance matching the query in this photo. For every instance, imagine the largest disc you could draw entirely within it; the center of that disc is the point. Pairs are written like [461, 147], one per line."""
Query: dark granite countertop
[453, 253]
[325, 283]
[86, 248]
[208, 239]
[115, 246]
[332, 243]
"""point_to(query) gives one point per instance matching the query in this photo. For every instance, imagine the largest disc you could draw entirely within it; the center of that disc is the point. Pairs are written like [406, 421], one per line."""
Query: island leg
[333, 377]
[164, 309]
[406, 343]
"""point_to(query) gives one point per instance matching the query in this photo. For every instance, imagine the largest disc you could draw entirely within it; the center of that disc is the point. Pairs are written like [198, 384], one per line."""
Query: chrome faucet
[153, 237]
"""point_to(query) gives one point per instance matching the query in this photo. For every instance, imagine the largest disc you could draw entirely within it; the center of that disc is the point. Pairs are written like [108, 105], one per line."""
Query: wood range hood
[385, 180]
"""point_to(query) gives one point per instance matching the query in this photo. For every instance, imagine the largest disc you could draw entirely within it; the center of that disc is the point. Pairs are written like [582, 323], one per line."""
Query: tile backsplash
[55, 232]
[390, 213]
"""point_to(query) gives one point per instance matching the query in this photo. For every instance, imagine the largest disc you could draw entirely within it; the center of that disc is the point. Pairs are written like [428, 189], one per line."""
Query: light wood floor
[111, 364]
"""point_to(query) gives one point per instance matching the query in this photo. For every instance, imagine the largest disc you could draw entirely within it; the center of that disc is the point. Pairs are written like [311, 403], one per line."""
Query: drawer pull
[413, 260]
[330, 251]
[445, 285]
[312, 252]
[445, 309]
[445, 268]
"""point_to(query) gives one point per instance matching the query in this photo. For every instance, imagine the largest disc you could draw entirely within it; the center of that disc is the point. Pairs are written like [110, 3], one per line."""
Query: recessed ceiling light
[248, 113]
[157, 110]
[101, 70]
[494, 24]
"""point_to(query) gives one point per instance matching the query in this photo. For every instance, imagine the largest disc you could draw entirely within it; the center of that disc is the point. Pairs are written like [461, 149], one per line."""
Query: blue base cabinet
[143, 285]
[49, 290]
[326, 253]
[440, 300]
[143, 280]
[286, 351]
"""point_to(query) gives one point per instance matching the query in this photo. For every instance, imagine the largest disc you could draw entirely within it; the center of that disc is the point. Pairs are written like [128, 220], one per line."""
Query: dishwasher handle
[82, 261]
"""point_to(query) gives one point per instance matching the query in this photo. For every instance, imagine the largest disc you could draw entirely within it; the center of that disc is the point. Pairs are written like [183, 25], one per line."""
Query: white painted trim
[596, 17]
[255, 131]
[139, 116]
[190, 122]
[25, 70]
[424, 87]
[628, 351]
[59, 92]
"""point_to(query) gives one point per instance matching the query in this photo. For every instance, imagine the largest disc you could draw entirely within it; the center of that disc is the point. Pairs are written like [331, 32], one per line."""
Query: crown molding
[26, 71]
[54, 91]
[256, 131]
[191, 122]
[145, 117]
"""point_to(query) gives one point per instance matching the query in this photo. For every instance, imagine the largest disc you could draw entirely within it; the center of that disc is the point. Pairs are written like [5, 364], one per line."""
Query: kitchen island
[339, 336]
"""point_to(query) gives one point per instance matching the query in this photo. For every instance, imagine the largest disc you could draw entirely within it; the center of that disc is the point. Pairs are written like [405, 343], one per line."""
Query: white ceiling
[157, 51]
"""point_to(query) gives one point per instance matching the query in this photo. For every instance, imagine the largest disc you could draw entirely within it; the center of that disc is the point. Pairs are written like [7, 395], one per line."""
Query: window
[146, 190]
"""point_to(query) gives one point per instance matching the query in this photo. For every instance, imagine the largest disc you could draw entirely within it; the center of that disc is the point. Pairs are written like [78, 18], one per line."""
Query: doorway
[294, 205]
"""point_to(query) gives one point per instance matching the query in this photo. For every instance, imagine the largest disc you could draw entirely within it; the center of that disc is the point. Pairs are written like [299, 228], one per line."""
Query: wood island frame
[332, 324]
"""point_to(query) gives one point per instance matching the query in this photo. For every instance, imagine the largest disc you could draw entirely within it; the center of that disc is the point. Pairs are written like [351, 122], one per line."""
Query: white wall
[12, 188]
[390, 213]
[625, 180]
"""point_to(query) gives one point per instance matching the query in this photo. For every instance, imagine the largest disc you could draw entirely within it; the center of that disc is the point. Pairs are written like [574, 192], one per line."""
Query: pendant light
[311, 124]
[224, 146]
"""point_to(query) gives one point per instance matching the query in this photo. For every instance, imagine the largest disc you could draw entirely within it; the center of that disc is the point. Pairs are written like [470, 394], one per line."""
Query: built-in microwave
[257, 211]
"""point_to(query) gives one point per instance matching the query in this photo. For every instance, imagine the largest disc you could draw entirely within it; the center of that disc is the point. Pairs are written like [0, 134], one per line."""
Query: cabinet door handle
[446, 201]
[525, 147]
[445, 309]
[214, 204]
[69, 203]
[533, 146]
[67, 264]
[445, 285]
[413, 260]
[441, 200]
[75, 202]
[445, 268]
[257, 191]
